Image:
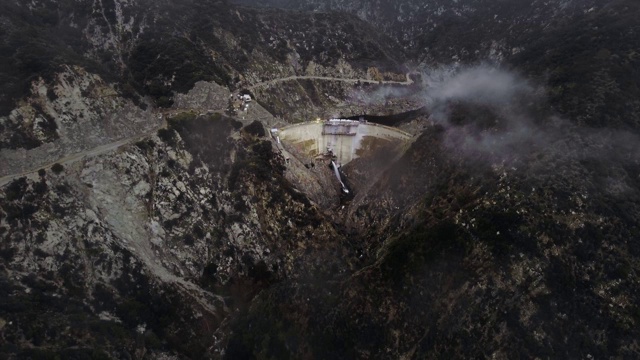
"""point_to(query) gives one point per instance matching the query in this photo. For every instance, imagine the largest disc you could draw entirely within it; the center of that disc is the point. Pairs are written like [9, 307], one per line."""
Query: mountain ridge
[507, 227]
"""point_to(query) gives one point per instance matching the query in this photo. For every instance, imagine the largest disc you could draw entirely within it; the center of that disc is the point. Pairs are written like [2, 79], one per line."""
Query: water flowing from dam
[335, 169]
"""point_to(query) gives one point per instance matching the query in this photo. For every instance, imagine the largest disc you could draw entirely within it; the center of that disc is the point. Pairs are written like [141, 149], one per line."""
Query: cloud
[503, 117]
[378, 94]
[482, 84]
[486, 109]
[502, 90]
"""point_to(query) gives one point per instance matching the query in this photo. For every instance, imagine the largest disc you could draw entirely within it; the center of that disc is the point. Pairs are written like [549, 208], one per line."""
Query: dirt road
[77, 156]
[408, 81]
[71, 158]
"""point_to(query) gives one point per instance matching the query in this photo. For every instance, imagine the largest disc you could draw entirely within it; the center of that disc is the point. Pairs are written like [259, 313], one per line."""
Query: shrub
[57, 168]
[145, 145]
[16, 189]
[255, 128]
[168, 136]
[40, 188]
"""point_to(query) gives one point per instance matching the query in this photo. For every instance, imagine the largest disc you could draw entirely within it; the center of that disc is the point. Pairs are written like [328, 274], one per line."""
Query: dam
[343, 139]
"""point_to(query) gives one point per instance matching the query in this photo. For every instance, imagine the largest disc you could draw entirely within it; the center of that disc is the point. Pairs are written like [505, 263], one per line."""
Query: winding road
[77, 156]
[408, 81]
[71, 158]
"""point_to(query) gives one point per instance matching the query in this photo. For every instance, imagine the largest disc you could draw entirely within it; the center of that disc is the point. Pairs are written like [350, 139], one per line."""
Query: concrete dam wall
[346, 139]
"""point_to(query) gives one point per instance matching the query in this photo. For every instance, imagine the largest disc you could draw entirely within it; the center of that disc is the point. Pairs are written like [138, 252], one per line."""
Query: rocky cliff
[584, 50]
[144, 215]
[199, 215]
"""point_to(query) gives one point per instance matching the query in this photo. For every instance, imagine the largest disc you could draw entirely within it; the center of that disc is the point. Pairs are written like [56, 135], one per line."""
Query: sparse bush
[189, 240]
[40, 188]
[57, 168]
[63, 189]
[209, 272]
[58, 210]
[146, 145]
[175, 122]
[16, 189]
[255, 128]
[168, 136]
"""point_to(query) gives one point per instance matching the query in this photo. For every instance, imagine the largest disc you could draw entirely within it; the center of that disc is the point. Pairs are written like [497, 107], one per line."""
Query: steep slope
[146, 51]
[586, 51]
[493, 236]
[151, 248]
[507, 229]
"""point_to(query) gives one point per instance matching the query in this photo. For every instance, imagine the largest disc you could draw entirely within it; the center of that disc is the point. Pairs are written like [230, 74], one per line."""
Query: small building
[246, 97]
[344, 127]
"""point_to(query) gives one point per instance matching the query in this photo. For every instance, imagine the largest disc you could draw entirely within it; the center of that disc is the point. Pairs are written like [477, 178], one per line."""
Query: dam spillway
[345, 139]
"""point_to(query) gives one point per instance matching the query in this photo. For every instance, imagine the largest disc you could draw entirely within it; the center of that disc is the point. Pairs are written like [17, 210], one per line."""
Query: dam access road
[30, 169]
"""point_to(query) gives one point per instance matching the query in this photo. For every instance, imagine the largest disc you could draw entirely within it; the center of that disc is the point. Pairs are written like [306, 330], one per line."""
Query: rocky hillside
[144, 215]
[481, 241]
[151, 248]
[144, 52]
[585, 51]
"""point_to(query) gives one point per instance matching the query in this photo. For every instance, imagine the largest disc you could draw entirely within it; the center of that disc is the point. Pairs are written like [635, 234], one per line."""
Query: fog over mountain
[167, 187]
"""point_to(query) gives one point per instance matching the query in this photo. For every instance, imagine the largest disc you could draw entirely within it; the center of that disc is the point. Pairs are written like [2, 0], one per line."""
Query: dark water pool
[392, 120]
